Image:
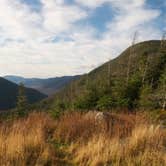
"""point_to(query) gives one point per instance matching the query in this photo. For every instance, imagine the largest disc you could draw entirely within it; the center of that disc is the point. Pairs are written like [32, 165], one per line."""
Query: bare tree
[87, 79]
[109, 74]
[71, 94]
[130, 55]
[163, 39]
[163, 48]
[164, 102]
[145, 70]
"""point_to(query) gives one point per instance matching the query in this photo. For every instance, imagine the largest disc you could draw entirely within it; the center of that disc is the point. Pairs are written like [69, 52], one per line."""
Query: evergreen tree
[106, 102]
[89, 99]
[119, 94]
[146, 99]
[161, 91]
[22, 102]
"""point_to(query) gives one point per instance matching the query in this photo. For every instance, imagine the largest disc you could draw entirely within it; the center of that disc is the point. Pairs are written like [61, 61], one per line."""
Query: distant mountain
[9, 93]
[47, 86]
[135, 79]
[15, 79]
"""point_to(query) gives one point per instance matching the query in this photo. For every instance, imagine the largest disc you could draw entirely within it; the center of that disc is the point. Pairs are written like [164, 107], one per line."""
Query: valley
[114, 115]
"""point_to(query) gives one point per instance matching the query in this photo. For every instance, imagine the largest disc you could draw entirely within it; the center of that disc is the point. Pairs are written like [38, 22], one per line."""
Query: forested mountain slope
[135, 79]
[9, 93]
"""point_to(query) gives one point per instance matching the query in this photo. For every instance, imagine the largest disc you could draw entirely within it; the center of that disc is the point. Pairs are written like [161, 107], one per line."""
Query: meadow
[78, 139]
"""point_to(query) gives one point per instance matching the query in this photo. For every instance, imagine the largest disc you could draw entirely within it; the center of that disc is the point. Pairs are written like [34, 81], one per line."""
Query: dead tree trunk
[164, 103]
[163, 40]
[109, 74]
[145, 70]
[71, 95]
[163, 48]
[130, 56]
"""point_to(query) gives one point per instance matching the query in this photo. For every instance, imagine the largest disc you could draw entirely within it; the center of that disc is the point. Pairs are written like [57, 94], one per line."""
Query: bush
[105, 103]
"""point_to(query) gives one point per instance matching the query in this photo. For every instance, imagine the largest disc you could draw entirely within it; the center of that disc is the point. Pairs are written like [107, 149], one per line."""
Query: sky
[49, 38]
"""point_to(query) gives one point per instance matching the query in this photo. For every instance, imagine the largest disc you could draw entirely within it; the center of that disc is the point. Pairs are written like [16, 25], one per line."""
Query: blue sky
[47, 38]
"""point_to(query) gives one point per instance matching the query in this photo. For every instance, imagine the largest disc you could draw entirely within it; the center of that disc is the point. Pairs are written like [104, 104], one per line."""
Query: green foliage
[60, 105]
[161, 91]
[89, 99]
[158, 65]
[9, 93]
[22, 103]
[106, 102]
[58, 108]
[55, 113]
[132, 91]
[146, 97]
[126, 94]
[106, 86]
[119, 93]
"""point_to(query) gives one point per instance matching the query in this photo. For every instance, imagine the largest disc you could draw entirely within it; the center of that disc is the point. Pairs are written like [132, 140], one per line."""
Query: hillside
[47, 86]
[136, 78]
[9, 93]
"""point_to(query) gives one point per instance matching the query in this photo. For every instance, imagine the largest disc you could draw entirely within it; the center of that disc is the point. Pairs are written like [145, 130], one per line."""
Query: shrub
[105, 103]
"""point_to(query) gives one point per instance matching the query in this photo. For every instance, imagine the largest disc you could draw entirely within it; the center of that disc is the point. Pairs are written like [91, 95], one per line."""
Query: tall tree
[146, 98]
[163, 77]
[144, 66]
[132, 51]
[162, 90]
[22, 102]
[162, 45]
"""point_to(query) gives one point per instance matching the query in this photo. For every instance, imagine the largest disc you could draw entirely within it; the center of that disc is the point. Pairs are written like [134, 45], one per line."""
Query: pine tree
[162, 90]
[22, 102]
[146, 98]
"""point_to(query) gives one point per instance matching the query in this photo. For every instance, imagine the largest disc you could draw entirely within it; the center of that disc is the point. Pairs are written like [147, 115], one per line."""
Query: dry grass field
[79, 139]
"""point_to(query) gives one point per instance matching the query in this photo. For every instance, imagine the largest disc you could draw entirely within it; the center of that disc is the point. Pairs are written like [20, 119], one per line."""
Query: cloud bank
[51, 41]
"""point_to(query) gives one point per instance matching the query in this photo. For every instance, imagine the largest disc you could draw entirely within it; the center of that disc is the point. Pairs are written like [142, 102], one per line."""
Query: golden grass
[23, 142]
[78, 139]
[80, 127]
[145, 146]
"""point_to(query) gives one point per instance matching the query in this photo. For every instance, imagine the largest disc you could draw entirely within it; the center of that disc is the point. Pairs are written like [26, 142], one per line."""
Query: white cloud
[58, 17]
[125, 4]
[133, 18]
[17, 21]
[26, 46]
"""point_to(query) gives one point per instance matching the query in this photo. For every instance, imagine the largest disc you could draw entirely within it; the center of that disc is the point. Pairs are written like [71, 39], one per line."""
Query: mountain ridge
[48, 86]
[147, 66]
[9, 93]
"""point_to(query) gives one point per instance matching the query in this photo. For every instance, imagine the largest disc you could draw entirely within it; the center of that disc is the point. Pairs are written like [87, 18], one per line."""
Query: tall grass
[145, 146]
[131, 140]
[24, 141]
[79, 139]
